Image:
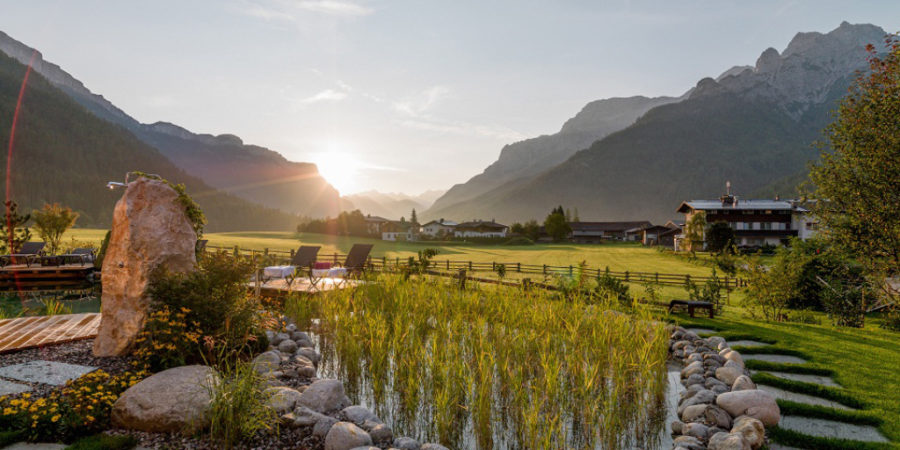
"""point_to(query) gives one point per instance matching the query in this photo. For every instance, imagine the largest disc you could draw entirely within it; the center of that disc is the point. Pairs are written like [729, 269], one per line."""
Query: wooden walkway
[20, 277]
[28, 332]
[302, 285]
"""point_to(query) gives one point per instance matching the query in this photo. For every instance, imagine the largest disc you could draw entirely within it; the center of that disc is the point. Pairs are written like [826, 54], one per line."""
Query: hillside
[533, 156]
[390, 205]
[754, 127]
[62, 153]
[223, 162]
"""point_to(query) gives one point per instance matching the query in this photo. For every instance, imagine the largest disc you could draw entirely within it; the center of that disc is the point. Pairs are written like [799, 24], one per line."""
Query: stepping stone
[10, 388]
[774, 446]
[46, 372]
[816, 379]
[30, 446]
[701, 330]
[788, 359]
[801, 398]
[831, 429]
[746, 343]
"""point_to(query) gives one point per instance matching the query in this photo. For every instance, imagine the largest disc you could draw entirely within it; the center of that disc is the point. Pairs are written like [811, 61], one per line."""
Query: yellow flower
[55, 418]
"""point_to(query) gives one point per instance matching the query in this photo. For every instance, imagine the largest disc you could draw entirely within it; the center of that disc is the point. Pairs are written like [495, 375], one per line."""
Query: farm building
[481, 229]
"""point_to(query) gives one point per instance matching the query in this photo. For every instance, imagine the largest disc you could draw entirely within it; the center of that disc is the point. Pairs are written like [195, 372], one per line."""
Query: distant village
[754, 223]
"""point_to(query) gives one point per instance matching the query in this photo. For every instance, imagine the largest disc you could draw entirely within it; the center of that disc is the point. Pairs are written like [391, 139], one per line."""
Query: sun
[339, 168]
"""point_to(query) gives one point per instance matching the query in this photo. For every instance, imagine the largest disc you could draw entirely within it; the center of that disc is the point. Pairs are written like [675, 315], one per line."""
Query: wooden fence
[453, 267]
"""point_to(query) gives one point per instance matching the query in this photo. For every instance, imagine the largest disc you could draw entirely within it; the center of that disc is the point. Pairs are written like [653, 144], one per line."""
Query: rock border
[721, 408]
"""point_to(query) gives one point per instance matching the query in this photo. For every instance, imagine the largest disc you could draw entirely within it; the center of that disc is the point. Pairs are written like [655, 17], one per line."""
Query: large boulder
[150, 229]
[754, 403]
[728, 375]
[751, 429]
[728, 441]
[172, 400]
[345, 436]
[324, 396]
[282, 399]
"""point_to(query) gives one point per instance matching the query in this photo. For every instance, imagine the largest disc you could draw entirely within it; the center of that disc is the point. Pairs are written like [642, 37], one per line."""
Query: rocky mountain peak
[769, 61]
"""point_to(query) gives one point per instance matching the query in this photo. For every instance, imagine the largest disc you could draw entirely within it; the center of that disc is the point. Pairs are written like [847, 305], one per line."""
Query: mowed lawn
[617, 256]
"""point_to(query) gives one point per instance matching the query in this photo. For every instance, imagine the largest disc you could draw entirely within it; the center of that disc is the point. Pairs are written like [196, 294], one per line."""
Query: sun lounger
[29, 252]
[355, 263]
[82, 255]
[304, 257]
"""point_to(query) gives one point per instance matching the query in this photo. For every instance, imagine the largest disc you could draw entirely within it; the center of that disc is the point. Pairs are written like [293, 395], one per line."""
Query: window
[755, 225]
[767, 225]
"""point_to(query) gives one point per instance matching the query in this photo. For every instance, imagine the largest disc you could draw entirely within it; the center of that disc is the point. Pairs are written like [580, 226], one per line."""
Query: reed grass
[493, 366]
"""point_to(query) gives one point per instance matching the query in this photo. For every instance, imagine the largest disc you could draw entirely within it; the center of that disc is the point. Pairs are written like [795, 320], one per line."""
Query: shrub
[238, 409]
[710, 292]
[216, 303]
[612, 288]
[804, 316]
[167, 341]
[51, 222]
[80, 408]
[845, 302]
[892, 320]
[519, 240]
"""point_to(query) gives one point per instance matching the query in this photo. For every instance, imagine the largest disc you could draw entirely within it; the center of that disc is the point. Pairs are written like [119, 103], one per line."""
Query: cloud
[328, 95]
[334, 7]
[442, 126]
[421, 102]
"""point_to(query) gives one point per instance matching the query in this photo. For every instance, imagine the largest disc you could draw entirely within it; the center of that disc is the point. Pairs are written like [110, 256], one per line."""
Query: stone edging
[320, 406]
[721, 408]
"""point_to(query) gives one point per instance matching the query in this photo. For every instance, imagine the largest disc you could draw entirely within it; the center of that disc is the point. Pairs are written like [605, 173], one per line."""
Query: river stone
[305, 367]
[290, 328]
[694, 379]
[359, 414]
[751, 429]
[728, 441]
[743, 383]
[677, 426]
[754, 403]
[381, 434]
[310, 354]
[305, 417]
[702, 397]
[734, 356]
[266, 362]
[692, 413]
[692, 368]
[323, 426]
[279, 338]
[287, 346]
[727, 375]
[324, 396]
[345, 436]
[714, 341]
[149, 229]
[433, 446]
[282, 399]
[689, 443]
[172, 400]
[734, 365]
[695, 429]
[715, 416]
[406, 443]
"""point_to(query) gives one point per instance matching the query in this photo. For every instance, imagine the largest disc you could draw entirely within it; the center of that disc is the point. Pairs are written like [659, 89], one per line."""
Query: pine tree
[13, 231]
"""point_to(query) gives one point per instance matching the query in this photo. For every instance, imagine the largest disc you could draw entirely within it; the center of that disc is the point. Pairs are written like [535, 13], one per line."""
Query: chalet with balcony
[480, 229]
[596, 232]
[438, 228]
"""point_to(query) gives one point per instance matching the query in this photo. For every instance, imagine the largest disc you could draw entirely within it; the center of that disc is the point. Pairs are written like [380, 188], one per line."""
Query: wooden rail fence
[383, 263]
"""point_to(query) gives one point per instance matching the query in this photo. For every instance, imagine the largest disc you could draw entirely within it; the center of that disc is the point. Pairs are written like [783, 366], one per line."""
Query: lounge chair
[83, 255]
[304, 257]
[29, 252]
[355, 263]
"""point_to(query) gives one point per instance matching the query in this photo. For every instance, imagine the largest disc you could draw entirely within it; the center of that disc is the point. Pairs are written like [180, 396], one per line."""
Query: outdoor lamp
[115, 184]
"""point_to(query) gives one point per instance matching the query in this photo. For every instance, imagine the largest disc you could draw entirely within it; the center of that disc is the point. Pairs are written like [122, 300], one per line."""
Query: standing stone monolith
[150, 229]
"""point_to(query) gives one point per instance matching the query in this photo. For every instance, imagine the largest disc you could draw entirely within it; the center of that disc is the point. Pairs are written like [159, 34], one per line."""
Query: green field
[617, 256]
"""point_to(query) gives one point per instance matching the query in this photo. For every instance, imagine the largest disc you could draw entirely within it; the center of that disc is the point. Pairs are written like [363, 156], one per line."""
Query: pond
[495, 367]
[14, 304]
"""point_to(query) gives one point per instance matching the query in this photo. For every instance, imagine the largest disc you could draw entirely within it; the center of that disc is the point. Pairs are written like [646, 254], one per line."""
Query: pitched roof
[446, 223]
[481, 224]
[706, 205]
[376, 219]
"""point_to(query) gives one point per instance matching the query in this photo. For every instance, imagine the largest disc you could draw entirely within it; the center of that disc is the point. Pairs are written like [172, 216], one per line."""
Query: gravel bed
[285, 438]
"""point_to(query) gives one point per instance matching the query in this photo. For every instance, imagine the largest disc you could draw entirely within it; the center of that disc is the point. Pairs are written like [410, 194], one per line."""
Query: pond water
[13, 304]
[654, 432]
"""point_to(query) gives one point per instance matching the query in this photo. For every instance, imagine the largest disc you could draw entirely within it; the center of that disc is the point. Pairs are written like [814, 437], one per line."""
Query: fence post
[292, 254]
[626, 276]
[687, 279]
[526, 284]
[335, 257]
[545, 269]
[493, 266]
[470, 265]
[462, 278]
[657, 277]
[266, 251]
[448, 265]
[384, 263]
[571, 272]
[519, 267]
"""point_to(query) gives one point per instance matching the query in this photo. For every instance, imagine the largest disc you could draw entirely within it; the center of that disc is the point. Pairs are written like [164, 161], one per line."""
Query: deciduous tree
[51, 223]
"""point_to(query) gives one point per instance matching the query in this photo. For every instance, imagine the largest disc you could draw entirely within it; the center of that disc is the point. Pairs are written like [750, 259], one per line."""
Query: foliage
[104, 244]
[556, 225]
[710, 292]
[612, 288]
[166, 340]
[530, 229]
[845, 301]
[804, 316]
[519, 240]
[352, 223]
[238, 409]
[500, 269]
[719, 237]
[770, 287]
[693, 232]
[727, 261]
[103, 441]
[13, 230]
[80, 408]
[891, 320]
[215, 302]
[857, 181]
[51, 222]
[423, 262]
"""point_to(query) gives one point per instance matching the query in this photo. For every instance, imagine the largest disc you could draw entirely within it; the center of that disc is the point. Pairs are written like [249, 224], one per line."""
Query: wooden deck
[23, 278]
[302, 285]
[28, 332]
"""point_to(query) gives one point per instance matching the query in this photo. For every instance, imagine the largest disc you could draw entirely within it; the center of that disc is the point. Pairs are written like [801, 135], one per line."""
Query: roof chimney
[728, 199]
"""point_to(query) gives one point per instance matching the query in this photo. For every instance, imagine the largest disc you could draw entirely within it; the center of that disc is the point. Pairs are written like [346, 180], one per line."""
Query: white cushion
[278, 271]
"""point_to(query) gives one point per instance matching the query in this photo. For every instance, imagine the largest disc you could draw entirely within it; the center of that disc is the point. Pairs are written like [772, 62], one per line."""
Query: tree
[693, 232]
[556, 225]
[13, 231]
[532, 229]
[413, 219]
[719, 237]
[51, 223]
[770, 288]
[517, 228]
[857, 181]
[575, 217]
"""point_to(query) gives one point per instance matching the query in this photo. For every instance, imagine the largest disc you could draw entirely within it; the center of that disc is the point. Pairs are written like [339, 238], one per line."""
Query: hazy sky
[408, 95]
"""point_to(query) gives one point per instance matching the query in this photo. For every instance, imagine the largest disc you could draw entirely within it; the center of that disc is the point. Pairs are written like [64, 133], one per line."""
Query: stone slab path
[788, 359]
[815, 379]
[46, 372]
[831, 429]
[801, 398]
[30, 446]
[10, 388]
[747, 343]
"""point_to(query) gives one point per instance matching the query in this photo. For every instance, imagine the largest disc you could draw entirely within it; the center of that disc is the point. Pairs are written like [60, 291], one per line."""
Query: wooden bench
[692, 305]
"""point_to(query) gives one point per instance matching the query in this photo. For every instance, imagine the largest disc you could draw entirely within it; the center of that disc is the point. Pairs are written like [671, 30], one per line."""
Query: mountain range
[222, 162]
[638, 158]
[391, 205]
